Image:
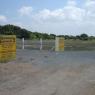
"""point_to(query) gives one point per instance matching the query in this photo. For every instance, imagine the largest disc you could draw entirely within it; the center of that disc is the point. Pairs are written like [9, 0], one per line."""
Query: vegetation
[23, 33]
[73, 45]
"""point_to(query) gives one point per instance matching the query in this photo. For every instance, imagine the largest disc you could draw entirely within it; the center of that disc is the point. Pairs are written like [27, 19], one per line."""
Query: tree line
[23, 33]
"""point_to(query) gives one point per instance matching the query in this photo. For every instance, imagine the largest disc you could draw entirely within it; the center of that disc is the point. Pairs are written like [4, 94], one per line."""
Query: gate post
[41, 44]
[23, 43]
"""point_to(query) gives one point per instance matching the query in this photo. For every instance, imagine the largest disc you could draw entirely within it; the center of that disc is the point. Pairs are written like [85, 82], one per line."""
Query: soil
[49, 73]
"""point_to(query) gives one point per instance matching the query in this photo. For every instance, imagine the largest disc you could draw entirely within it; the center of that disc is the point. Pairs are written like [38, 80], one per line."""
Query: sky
[60, 17]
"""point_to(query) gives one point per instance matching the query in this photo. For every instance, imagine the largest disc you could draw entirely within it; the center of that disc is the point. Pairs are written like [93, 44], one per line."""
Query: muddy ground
[49, 73]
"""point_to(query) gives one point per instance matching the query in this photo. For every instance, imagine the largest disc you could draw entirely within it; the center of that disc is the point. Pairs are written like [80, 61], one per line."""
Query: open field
[79, 45]
[70, 45]
[49, 73]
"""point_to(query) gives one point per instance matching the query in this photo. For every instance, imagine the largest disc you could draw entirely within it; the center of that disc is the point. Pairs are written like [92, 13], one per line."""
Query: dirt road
[49, 73]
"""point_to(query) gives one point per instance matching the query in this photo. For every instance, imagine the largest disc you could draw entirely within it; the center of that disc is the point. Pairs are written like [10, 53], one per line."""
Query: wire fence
[35, 44]
[69, 45]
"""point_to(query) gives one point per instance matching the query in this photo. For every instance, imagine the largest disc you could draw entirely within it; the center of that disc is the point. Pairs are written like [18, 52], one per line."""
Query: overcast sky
[71, 17]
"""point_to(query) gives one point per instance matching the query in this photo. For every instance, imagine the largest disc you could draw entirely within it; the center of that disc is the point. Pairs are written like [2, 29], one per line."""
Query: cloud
[90, 9]
[48, 15]
[69, 12]
[71, 3]
[3, 18]
[73, 13]
[71, 19]
[25, 10]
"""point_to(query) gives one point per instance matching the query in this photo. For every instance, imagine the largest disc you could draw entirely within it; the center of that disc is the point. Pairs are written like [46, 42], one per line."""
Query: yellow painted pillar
[59, 44]
[7, 48]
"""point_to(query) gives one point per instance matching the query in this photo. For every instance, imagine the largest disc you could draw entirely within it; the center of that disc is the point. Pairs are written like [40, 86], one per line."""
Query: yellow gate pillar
[59, 44]
[7, 48]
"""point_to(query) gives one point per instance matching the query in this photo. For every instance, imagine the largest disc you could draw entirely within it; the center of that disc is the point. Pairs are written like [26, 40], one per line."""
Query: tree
[45, 36]
[24, 34]
[91, 37]
[67, 37]
[78, 37]
[14, 30]
[52, 36]
[84, 37]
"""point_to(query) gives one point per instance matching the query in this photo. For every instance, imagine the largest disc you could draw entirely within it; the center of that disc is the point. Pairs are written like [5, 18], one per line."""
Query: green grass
[79, 45]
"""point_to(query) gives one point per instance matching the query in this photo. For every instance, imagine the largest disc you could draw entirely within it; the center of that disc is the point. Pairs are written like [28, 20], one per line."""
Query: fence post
[41, 43]
[23, 43]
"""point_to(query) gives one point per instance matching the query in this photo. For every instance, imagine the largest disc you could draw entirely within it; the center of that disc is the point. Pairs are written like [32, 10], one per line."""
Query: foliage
[23, 33]
[84, 37]
[14, 30]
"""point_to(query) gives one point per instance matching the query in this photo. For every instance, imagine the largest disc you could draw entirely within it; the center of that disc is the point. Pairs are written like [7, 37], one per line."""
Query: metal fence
[70, 45]
[35, 44]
